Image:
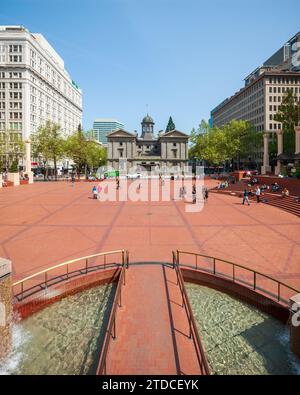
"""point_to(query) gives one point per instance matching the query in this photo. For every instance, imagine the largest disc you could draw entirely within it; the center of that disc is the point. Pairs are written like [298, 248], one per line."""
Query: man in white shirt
[258, 194]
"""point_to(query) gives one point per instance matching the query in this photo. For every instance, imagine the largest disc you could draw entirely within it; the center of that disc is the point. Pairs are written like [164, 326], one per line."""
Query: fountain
[6, 308]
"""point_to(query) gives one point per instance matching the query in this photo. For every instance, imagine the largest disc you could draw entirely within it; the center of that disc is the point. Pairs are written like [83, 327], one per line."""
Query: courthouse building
[148, 151]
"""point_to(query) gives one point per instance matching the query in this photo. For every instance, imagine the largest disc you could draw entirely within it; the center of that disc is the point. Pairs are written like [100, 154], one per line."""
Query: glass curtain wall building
[103, 126]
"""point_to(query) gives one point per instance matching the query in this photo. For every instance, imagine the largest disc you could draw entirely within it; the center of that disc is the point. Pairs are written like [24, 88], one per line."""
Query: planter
[14, 178]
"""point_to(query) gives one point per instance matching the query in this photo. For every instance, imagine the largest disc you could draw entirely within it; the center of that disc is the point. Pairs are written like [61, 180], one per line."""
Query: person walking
[258, 194]
[206, 193]
[180, 193]
[246, 197]
[183, 192]
[194, 194]
[117, 183]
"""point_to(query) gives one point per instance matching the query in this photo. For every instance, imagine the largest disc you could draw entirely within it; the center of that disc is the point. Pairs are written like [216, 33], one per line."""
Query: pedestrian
[246, 197]
[94, 192]
[285, 193]
[118, 183]
[181, 193]
[258, 194]
[73, 179]
[206, 194]
[194, 194]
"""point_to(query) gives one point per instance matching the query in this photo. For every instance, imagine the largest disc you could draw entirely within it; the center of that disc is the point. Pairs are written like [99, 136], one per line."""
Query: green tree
[217, 146]
[210, 146]
[85, 151]
[48, 143]
[11, 149]
[242, 140]
[288, 115]
[171, 125]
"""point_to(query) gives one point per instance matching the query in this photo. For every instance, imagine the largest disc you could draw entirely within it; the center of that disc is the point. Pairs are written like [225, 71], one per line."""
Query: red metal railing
[111, 327]
[257, 281]
[193, 333]
[65, 271]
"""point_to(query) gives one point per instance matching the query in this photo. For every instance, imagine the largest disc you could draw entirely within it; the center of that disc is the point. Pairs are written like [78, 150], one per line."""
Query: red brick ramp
[152, 328]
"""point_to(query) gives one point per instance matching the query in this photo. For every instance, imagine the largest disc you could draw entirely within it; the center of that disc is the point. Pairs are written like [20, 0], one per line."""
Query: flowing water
[64, 338]
[238, 338]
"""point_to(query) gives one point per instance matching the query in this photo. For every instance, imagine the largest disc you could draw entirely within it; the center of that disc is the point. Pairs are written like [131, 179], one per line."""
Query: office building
[258, 101]
[34, 85]
[103, 126]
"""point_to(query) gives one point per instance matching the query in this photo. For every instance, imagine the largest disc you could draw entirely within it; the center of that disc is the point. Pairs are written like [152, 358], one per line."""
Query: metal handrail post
[233, 272]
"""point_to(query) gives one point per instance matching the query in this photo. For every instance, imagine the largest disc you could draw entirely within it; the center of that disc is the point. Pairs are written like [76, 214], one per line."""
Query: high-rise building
[103, 126]
[34, 85]
[258, 101]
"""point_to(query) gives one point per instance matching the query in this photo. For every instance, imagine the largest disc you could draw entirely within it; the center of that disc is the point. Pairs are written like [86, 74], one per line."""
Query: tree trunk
[55, 168]
[44, 171]
[238, 161]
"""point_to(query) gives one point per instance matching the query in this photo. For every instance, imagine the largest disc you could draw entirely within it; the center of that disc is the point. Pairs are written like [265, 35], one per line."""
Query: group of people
[204, 194]
[257, 193]
[223, 185]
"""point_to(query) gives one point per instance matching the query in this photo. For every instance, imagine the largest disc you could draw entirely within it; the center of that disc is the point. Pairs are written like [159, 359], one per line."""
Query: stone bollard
[30, 177]
[295, 324]
[6, 308]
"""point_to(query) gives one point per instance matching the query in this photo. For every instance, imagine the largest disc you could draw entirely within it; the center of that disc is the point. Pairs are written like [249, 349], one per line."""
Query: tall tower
[147, 128]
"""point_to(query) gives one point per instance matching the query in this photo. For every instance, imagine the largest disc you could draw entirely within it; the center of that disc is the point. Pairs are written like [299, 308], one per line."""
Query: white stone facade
[34, 85]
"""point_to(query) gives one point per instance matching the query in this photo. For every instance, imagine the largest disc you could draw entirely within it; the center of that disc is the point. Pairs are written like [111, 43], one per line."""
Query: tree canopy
[170, 126]
[86, 153]
[218, 145]
[48, 142]
[288, 115]
[11, 149]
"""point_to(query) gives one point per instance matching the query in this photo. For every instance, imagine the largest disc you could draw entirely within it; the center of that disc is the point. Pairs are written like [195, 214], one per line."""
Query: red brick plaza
[48, 223]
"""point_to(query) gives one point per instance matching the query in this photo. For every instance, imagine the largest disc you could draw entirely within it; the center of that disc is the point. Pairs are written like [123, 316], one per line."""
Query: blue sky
[181, 57]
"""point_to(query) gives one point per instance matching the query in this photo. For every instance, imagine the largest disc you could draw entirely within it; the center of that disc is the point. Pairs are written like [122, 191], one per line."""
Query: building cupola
[147, 127]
